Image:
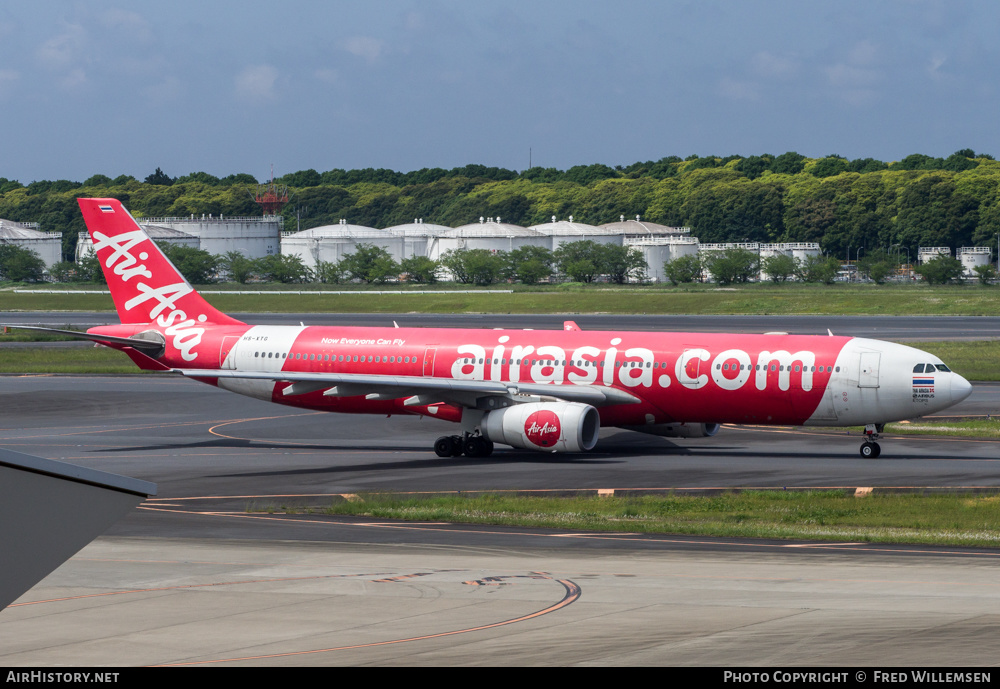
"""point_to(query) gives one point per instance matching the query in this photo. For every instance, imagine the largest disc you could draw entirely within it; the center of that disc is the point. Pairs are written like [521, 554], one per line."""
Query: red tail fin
[144, 284]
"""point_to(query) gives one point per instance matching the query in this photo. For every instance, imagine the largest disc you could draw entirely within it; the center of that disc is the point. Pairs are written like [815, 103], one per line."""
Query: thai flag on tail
[106, 209]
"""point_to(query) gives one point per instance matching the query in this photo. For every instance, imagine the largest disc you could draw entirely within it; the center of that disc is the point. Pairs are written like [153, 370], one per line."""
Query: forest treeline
[842, 204]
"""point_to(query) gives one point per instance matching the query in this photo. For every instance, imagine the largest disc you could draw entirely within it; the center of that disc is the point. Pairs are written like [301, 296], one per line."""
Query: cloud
[328, 76]
[364, 46]
[936, 62]
[164, 92]
[772, 66]
[8, 77]
[739, 90]
[855, 79]
[74, 79]
[130, 23]
[257, 82]
[64, 50]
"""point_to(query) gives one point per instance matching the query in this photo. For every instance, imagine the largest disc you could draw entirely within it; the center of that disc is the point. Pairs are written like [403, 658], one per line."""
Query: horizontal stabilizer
[136, 343]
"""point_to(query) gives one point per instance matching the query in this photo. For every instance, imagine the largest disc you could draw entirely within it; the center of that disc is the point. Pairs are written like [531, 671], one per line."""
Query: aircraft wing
[421, 390]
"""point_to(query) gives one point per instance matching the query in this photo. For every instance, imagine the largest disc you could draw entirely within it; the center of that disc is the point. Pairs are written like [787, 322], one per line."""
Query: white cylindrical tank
[48, 245]
[658, 251]
[489, 234]
[803, 250]
[927, 253]
[566, 231]
[330, 243]
[252, 236]
[972, 256]
[707, 250]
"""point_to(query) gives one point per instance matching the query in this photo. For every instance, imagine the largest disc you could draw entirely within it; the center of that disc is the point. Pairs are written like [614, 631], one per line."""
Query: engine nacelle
[679, 430]
[547, 427]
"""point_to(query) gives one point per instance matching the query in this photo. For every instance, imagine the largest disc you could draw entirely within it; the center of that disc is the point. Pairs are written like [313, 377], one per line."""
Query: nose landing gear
[871, 449]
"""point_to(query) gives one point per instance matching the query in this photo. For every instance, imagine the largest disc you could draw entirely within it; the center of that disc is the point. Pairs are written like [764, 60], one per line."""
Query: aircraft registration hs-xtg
[532, 389]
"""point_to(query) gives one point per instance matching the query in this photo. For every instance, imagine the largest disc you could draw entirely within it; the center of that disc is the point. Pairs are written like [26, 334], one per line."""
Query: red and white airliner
[532, 389]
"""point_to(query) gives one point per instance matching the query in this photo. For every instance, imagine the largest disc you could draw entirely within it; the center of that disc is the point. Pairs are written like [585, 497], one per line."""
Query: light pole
[857, 262]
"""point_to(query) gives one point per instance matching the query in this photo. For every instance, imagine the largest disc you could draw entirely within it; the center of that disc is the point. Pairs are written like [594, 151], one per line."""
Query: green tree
[877, 266]
[985, 273]
[369, 263]
[779, 267]
[419, 269]
[622, 263]
[940, 270]
[196, 265]
[330, 272]
[732, 265]
[829, 166]
[683, 269]
[159, 178]
[790, 163]
[582, 261]
[237, 267]
[98, 181]
[529, 264]
[18, 264]
[89, 270]
[64, 271]
[818, 269]
[475, 266]
[283, 268]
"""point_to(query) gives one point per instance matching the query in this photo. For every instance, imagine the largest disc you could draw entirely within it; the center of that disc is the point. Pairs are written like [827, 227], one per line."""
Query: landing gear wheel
[457, 445]
[870, 450]
[477, 446]
[444, 446]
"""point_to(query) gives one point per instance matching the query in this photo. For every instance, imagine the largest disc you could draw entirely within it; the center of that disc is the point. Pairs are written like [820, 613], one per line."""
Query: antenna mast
[271, 196]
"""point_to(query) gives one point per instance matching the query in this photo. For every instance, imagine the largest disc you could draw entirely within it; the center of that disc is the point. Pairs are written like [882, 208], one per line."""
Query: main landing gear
[871, 449]
[469, 445]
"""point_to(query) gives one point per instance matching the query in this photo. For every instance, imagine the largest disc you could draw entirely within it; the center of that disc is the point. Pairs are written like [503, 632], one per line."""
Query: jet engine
[679, 430]
[547, 427]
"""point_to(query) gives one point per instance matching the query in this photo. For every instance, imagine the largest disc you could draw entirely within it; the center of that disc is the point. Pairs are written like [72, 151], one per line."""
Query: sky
[227, 87]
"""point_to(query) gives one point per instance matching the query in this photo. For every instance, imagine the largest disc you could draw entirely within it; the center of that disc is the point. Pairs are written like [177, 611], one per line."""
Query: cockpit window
[919, 368]
[942, 367]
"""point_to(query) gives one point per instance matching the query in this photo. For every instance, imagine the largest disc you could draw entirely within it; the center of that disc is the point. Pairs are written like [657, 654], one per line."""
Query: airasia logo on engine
[542, 428]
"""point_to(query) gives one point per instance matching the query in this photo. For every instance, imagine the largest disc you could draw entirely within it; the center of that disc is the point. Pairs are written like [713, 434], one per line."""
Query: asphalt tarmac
[195, 577]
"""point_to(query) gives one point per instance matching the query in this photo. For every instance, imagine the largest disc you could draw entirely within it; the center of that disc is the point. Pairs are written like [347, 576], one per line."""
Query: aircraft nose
[960, 388]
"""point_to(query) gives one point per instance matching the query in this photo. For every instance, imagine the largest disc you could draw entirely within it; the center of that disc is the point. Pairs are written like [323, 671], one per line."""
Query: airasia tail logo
[542, 428]
[184, 330]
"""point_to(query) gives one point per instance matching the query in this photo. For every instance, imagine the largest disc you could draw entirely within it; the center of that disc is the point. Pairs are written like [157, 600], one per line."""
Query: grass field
[753, 299]
[969, 520]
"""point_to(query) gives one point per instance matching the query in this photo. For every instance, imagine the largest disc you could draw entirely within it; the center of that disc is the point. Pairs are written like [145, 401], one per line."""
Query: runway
[193, 577]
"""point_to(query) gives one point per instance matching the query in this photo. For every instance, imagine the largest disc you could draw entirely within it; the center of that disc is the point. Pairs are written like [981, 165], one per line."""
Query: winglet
[571, 325]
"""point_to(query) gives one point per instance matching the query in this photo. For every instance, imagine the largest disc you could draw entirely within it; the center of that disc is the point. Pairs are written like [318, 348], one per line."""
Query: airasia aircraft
[531, 389]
